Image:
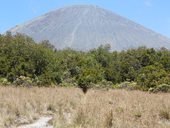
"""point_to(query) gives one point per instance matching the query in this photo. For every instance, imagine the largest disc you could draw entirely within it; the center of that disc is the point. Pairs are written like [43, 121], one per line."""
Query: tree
[90, 72]
[151, 76]
[47, 44]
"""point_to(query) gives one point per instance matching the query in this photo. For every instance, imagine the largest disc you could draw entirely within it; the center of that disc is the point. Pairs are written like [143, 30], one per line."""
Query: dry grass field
[70, 108]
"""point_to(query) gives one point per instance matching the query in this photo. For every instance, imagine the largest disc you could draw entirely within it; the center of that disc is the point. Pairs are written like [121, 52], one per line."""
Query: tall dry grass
[70, 108]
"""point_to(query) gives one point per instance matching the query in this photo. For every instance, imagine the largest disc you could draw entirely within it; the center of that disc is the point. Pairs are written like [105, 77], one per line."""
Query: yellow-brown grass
[72, 109]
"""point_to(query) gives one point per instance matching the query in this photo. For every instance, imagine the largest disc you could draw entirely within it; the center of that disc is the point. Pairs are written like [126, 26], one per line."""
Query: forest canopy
[23, 62]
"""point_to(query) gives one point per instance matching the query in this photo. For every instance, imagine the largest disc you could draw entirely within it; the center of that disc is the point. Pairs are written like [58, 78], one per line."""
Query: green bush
[151, 76]
[46, 66]
[103, 84]
[4, 81]
[161, 88]
[127, 85]
[23, 81]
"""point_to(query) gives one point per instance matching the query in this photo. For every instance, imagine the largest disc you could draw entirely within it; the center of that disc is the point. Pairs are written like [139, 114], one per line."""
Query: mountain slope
[83, 27]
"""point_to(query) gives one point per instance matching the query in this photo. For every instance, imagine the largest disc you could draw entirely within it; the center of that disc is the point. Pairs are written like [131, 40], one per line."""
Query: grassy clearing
[70, 108]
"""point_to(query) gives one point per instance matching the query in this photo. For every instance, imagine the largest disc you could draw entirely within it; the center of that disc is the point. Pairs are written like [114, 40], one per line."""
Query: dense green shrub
[103, 84]
[160, 88]
[127, 85]
[151, 76]
[4, 81]
[23, 81]
[43, 65]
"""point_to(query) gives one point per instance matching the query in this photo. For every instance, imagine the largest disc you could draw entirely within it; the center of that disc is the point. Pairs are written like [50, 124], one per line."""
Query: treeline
[24, 62]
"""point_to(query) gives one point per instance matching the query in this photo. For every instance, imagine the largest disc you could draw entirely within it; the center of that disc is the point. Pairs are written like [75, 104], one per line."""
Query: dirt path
[41, 123]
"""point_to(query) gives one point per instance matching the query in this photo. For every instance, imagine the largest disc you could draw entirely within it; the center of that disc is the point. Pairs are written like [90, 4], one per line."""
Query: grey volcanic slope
[83, 27]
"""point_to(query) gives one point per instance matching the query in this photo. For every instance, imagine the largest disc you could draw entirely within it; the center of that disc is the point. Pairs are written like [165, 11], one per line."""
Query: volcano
[84, 27]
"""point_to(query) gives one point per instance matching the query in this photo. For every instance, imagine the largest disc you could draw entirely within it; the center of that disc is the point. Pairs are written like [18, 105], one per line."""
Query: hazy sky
[154, 14]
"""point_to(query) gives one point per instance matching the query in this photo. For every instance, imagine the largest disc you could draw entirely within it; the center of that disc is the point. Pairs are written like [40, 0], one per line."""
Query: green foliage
[160, 88]
[90, 72]
[4, 81]
[46, 44]
[43, 65]
[127, 85]
[21, 56]
[151, 76]
[23, 81]
[104, 84]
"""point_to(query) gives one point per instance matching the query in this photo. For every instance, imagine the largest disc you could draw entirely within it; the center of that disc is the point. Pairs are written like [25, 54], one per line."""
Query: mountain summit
[84, 27]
